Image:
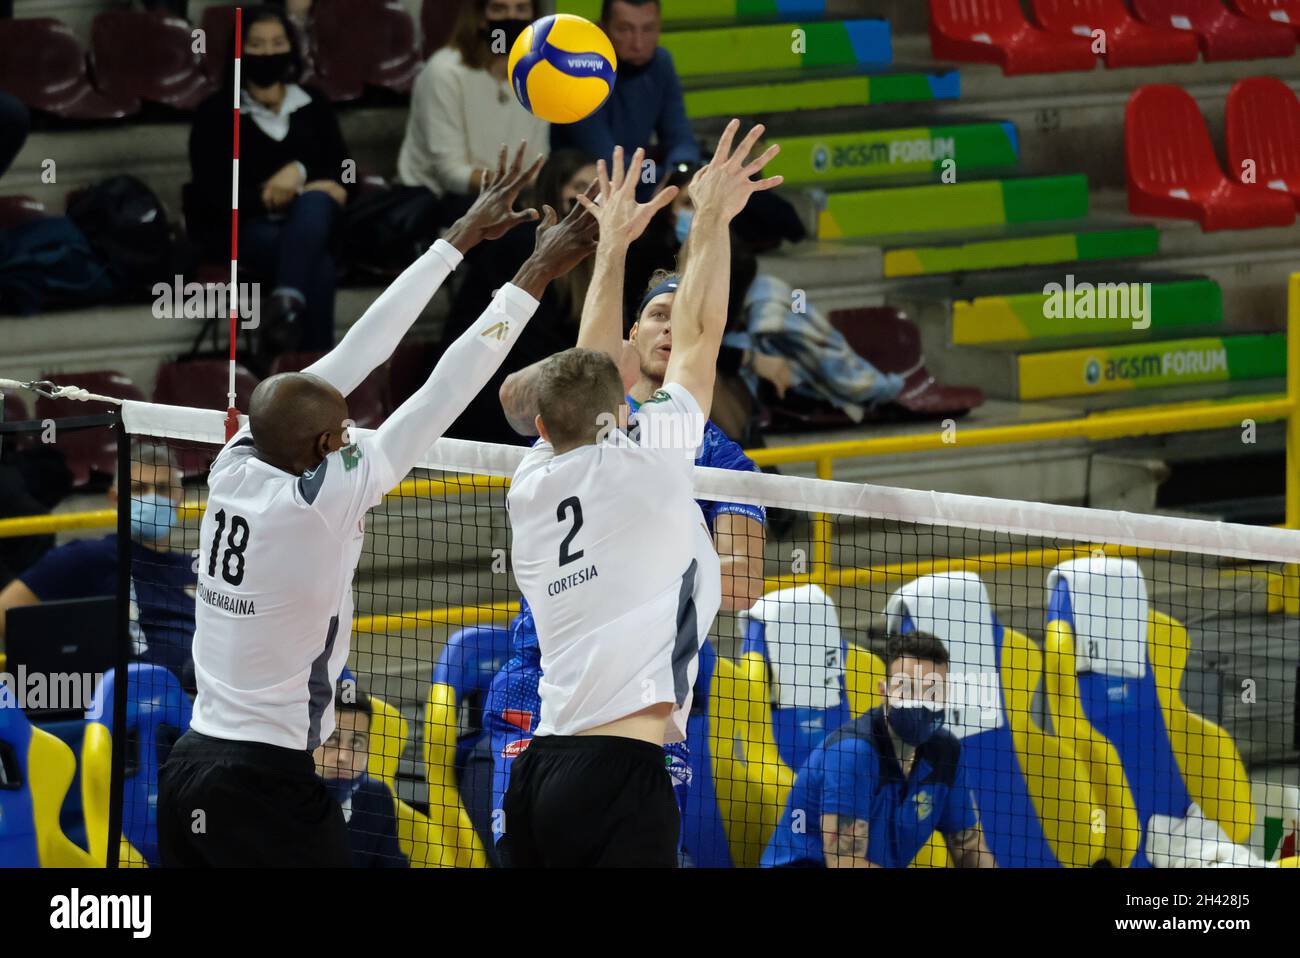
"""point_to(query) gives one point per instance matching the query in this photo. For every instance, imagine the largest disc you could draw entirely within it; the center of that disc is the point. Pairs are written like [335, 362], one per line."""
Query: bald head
[297, 420]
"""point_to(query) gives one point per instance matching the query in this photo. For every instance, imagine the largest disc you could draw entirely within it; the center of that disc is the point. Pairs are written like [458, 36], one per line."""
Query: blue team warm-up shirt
[163, 586]
[855, 774]
[513, 707]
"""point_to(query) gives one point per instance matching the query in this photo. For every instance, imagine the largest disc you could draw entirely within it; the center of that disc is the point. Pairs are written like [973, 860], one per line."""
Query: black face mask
[265, 69]
[512, 29]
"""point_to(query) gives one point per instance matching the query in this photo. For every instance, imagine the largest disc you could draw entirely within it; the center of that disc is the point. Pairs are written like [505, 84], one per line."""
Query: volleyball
[562, 68]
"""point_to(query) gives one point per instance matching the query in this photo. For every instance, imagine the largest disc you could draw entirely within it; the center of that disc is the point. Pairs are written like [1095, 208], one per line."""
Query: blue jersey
[856, 775]
[513, 707]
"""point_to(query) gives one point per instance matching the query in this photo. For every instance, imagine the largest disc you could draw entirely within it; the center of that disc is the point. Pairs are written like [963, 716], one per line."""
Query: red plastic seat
[437, 22]
[43, 65]
[359, 42]
[201, 383]
[996, 31]
[218, 25]
[15, 409]
[1172, 169]
[150, 56]
[16, 210]
[368, 404]
[1263, 127]
[87, 452]
[1129, 42]
[1286, 12]
[1223, 35]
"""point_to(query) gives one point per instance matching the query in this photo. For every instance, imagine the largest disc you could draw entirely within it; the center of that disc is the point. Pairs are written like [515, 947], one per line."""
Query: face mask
[265, 69]
[341, 789]
[512, 28]
[152, 517]
[914, 722]
[683, 225]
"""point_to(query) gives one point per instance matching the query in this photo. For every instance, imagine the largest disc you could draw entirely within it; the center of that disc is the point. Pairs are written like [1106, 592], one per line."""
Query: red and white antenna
[232, 411]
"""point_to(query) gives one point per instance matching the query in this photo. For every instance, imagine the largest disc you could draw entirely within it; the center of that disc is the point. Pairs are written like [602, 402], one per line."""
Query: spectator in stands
[554, 326]
[462, 107]
[163, 582]
[299, 13]
[33, 480]
[367, 805]
[875, 791]
[292, 166]
[15, 121]
[176, 8]
[647, 99]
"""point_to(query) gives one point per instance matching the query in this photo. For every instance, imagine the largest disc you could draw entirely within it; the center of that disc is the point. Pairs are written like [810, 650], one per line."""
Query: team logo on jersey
[924, 804]
[679, 770]
[351, 457]
[519, 718]
[497, 335]
[660, 395]
[516, 748]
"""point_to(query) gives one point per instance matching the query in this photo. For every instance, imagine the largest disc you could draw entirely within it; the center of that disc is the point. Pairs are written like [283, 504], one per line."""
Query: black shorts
[246, 804]
[591, 801]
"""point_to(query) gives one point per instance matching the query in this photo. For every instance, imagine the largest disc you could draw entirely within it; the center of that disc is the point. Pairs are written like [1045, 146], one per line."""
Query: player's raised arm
[476, 355]
[720, 190]
[370, 342]
[622, 221]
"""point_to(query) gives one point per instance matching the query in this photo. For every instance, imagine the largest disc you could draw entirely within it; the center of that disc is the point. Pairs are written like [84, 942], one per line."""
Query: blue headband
[667, 286]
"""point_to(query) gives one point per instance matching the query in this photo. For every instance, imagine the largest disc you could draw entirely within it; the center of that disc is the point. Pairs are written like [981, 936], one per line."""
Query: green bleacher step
[882, 155]
[947, 207]
[679, 13]
[1149, 365]
[780, 48]
[1087, 309]
[751, 99]
[1021, 249]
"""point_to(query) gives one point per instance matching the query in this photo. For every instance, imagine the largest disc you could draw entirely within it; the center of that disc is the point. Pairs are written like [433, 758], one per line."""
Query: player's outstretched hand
[493, 213]
[561, 245]
[723, 186]
[622, 219]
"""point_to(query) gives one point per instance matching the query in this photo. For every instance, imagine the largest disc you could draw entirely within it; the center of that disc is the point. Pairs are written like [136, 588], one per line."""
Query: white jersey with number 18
[614, 556]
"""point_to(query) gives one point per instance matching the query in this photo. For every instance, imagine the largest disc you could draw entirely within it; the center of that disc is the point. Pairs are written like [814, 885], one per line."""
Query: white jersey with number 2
[614, 556]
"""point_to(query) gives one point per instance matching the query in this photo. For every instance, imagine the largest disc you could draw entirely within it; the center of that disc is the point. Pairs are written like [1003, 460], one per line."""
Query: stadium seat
[15, 410]
[408, 369]
[43, 65]
[1172, 170]
[88, 452]
[1129, 42]
[460, 682]
[886, 338]
[1263, 131]
[17, 210]
[437, 21]
[218, 24]
[148, 56]
[1034, 796]
[1271, 11]
[96, 792]
[359, 42]
[996, 31]
[19, 846]
[1223, 35]
[157, 714]
[47, 766]
[368, 404]
[1130, 661]
[202, 384]
[797, 633]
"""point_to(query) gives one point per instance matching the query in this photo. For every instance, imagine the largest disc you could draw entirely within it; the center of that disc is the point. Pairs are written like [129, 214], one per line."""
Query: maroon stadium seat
[368, 404]
[150, 56]
[43, 65]
[201, 383]
[16, 210]
[218, 25]
[1263, 127]
[886, 338]
[1272, 11]
[359, 42]
[408, 369]
[437, 22]
[15, 407]
[996, 31]
[89, 451]
[1172, 169]
[1129, 42]
[1223, 35]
